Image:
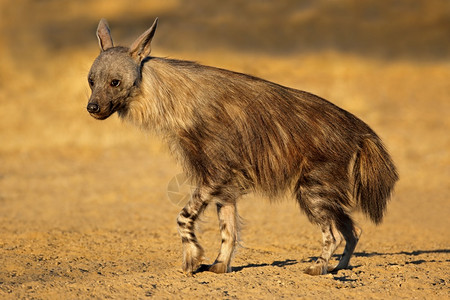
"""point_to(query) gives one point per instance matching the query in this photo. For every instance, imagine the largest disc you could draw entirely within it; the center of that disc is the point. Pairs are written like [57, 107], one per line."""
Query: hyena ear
[104, 35]
[141, 47]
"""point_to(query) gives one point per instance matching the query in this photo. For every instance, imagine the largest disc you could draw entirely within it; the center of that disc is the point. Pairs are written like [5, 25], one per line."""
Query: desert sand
[84, 205]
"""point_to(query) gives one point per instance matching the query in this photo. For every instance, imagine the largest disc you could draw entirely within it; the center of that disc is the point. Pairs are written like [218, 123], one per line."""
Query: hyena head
[115, 75]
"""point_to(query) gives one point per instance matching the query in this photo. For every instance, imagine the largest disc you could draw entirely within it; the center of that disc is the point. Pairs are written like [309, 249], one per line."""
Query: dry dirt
[84, 206]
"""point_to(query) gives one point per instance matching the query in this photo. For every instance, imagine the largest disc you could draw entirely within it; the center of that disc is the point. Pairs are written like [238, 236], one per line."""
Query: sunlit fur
[234, 134]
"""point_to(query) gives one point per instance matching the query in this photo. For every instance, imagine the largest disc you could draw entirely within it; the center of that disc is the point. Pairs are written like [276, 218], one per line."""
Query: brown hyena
[235, 134]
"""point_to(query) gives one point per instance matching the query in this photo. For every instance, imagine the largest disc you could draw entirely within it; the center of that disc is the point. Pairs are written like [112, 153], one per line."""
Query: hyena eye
[115, 82]
[91, 82]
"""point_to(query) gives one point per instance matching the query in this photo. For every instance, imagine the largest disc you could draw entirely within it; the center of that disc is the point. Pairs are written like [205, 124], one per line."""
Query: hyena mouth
[105, 113]
[100, 116]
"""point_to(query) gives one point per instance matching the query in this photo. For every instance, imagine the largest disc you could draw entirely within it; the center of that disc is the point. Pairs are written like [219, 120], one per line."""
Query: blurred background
[388, 62]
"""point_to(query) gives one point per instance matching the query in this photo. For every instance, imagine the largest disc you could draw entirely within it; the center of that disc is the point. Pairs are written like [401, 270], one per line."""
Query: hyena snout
[93, 108]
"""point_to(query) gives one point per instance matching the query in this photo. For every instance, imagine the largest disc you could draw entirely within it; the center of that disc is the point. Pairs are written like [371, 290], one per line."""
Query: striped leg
[332, 235]
[229, 230]
[331, 241]
[192, 251]
[324, 204]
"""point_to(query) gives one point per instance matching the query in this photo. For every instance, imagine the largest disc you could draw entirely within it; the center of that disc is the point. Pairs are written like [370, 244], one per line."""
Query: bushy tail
[374, 176]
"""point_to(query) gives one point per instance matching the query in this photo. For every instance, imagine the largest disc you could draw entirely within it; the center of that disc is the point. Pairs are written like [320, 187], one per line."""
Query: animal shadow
[411, 254]
[276, 263]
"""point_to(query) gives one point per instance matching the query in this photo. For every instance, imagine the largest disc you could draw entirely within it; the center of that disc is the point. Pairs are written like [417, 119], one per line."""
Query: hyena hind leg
[229, 231]
[331, 241]
[351, 235]
[322, 206]
[332, 237]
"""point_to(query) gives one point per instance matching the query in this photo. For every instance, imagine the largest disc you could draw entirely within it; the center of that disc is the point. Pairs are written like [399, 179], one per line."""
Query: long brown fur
[234, 133]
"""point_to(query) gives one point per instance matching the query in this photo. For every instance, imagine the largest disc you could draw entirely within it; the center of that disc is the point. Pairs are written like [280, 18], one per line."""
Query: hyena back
[234, 134]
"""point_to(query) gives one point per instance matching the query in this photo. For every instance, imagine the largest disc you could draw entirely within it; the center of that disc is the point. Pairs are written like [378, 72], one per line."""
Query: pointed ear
[141, 47]
[104, 35]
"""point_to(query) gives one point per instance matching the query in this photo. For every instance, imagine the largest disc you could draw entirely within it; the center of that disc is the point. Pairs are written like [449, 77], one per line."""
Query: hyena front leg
[192, 251]
[229, 231]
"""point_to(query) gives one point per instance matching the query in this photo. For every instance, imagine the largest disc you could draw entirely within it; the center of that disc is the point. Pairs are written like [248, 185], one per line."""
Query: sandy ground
[84, 205]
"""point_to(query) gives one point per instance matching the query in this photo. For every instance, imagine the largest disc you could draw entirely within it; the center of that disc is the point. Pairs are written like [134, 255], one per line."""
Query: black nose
[93, 108]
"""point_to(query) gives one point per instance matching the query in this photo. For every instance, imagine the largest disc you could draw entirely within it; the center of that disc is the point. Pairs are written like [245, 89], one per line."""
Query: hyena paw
[331, 269]
[192, 257]
[318, 268]
[220, 268]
